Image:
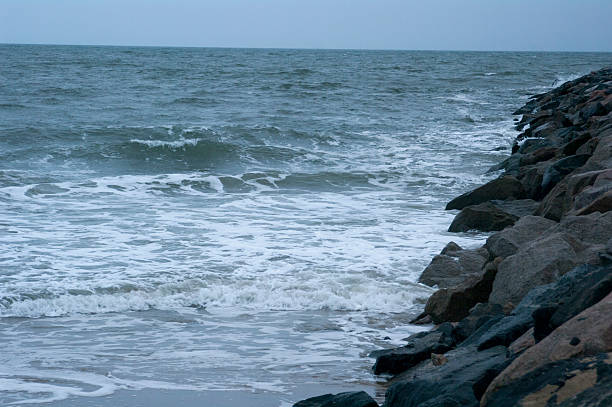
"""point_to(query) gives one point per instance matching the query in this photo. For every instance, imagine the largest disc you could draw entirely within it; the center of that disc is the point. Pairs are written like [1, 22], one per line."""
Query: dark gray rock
[348, 399]
[579, 289]
[479, 315]
[540, 262]
[505, 187]
[560, 169]
[419, 348]
[550, 306]
[518, 207]
[454, 304]
[572, 146]
[511, 165]
[507, 329]
[575, 382]
[526, 230]
[452, 266]
[484, 217]
[459, 382]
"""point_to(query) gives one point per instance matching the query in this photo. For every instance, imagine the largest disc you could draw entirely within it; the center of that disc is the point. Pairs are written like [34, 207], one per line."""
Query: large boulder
[540, 262]
[505, 187]
[576, 382]
[455, 303]
[560, 169]
[479, 315]
[461, 381]
[348, 399]
[484, 217]
[419, 348]
[589, 230]
[602, 156]
[517, 207]
[576, 291]
[508, 241]
[505, 330]
[586, 334]
[602, 203]
[547, 307]
[453, 265]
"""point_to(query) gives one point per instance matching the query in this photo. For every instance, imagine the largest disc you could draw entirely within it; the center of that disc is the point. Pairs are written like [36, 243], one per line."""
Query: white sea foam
[170, 144]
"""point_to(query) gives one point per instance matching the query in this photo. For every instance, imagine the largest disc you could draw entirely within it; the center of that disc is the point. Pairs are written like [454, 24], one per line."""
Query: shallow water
[233, 221]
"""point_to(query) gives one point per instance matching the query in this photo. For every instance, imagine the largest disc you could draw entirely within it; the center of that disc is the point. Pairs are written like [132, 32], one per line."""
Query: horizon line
[295, 48]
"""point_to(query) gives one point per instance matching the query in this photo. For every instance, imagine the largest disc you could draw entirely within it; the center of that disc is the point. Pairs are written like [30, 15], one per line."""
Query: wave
[308, 291]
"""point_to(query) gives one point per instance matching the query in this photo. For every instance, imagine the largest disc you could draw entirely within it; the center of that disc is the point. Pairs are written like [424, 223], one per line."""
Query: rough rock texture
[461, 381]
[479, 315]
[419, 348]
[506, 187]
[540, 262]
[454, 304]
[485, 217]
[574, 382]
[453, 265]
[588, 333]
[583, 287]
[349, 399]
[507, 242]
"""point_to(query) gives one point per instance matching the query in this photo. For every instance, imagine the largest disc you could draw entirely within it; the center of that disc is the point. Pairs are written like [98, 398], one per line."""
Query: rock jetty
[525, 320]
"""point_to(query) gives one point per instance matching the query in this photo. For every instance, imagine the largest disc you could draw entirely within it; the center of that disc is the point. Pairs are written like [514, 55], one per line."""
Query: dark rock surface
[452, 266]
[506, 187]
[484, 217]
[454, 304]
[574, 382]
[419, 348]
[583, 287]
[508, 242]
[349, 399]
[588, 333]
[459, 382]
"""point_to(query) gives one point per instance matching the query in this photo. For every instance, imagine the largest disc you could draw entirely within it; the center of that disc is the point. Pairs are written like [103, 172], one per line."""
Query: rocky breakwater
[525, 320]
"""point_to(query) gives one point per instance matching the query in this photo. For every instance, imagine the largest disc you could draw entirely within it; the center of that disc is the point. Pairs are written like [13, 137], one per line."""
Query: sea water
[233, 227]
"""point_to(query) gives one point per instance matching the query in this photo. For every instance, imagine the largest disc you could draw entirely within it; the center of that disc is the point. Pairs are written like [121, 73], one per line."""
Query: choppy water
[224, 219]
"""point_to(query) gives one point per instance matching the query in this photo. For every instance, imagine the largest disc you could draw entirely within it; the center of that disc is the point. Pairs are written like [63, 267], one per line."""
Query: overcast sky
[550, 25]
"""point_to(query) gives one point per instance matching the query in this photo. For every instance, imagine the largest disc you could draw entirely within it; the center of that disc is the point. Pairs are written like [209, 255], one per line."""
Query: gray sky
[550, 25]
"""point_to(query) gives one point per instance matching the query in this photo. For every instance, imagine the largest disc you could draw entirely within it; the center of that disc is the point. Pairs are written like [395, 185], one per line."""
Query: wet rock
[592, 327]
[454, 304]
[574, 382]
[505, 187]
[484, 217]
[526, 230]
[349, 399]
[480, 314]
[419, 348]
[511, 164]
[461, 381]
[452, 266]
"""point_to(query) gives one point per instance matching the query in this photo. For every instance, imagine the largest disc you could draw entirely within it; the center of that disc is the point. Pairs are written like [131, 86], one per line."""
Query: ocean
[233, 227]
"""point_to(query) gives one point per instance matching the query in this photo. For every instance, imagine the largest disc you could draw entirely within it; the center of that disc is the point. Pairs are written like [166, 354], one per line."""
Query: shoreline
[525, 317]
